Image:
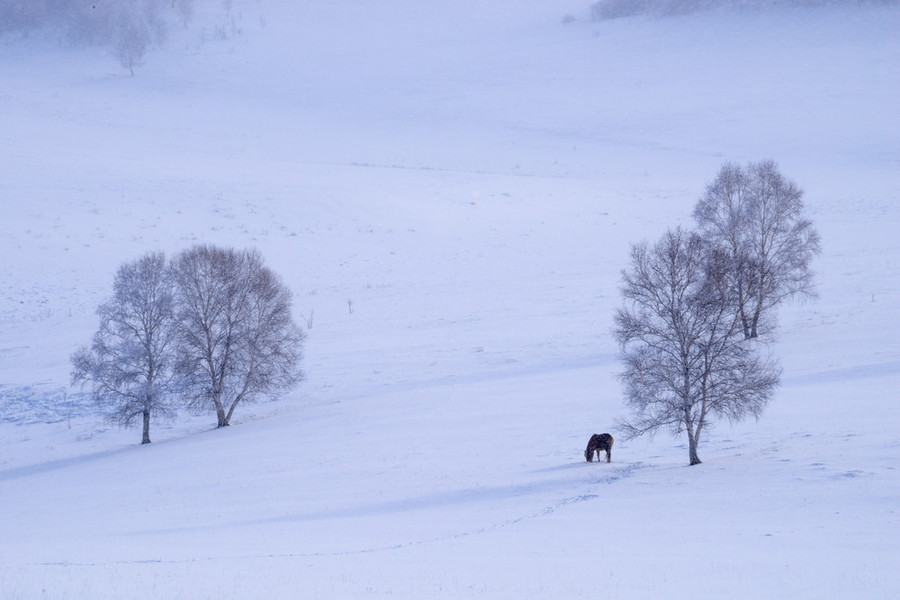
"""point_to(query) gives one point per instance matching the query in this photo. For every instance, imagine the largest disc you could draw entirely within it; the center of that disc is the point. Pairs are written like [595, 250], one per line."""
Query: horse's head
[589, 454]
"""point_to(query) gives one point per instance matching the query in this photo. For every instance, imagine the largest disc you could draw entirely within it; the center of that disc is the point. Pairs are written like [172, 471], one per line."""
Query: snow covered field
[450, 189]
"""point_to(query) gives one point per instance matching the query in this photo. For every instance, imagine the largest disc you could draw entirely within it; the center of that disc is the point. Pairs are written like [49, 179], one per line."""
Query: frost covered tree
[755, 216]
[685, 358]
[129, 363]
[236, 337]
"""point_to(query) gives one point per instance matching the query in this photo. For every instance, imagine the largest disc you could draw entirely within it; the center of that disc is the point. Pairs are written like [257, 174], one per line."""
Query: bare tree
[130, 41]
[755, 216]
[128, 365]
[237, 340]
[685, 360]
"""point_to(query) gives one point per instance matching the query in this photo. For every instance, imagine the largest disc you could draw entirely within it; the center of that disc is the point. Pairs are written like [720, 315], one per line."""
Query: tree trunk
[220, 416]
[742, 314]
[222, 420]
[230, 412]
[745, 324]
[695, 459]
[693, 440]
[146, 438]
[754, 327]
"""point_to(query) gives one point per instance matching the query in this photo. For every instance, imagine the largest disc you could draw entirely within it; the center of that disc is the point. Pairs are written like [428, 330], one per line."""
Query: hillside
[450, 190]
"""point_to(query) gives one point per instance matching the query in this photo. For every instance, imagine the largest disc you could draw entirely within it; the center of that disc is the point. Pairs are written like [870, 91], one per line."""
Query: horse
[598, 442]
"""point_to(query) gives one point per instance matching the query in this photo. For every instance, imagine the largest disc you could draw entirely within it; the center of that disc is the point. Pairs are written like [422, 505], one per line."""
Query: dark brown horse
[598, 442]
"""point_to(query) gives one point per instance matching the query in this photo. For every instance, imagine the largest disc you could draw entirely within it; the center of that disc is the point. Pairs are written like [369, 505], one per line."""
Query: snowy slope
[467, 178]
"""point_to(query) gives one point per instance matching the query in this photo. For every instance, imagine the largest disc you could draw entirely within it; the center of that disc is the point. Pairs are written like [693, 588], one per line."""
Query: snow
[467, 178]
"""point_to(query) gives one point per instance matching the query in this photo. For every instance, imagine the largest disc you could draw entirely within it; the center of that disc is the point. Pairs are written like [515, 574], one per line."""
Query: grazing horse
[598, 442]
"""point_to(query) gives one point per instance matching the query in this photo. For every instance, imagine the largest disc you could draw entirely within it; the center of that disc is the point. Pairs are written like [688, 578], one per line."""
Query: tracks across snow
[588, 492]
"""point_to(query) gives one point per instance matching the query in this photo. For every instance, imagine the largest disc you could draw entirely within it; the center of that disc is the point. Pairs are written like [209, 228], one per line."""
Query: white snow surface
[450, 189]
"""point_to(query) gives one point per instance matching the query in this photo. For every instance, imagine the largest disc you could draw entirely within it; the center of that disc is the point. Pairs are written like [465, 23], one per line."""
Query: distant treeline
[92, 21]
[128, 27]
[613, 9]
